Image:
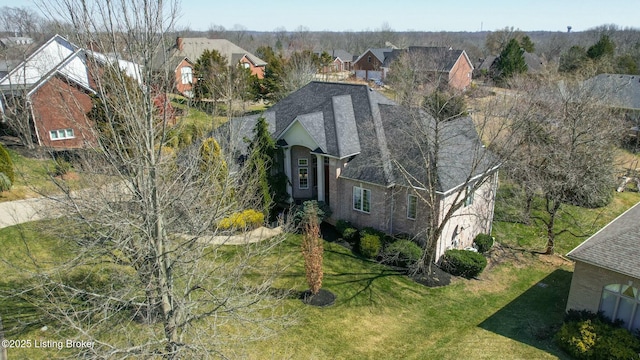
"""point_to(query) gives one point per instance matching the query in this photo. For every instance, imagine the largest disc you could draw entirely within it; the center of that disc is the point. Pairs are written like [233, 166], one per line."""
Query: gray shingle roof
[192, 48]
[617, 90]
[615, 247]
[347, 119]
[379, 53]
[435, 58]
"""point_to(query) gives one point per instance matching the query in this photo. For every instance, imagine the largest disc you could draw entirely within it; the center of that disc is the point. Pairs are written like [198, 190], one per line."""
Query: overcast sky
[403, 15]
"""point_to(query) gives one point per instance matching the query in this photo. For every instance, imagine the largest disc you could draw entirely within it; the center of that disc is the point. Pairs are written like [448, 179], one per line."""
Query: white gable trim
[297, 134]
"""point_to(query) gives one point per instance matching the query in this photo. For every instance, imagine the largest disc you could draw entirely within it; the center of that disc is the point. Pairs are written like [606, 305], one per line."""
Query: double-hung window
[187, 75]
[303, 173]
[361, 199]
[412, 206]
[468, 201]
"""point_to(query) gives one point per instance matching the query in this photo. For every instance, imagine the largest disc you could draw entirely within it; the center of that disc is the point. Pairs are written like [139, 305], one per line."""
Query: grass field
[511, 311]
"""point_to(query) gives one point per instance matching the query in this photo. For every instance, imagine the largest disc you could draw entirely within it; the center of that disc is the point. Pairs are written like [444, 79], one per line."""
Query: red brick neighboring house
[369, 65]
[55, 84]
[181, 58]
[450, 65]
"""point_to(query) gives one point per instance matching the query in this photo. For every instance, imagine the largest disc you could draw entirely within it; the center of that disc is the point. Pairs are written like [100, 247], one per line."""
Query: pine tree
[511, 61]
[261, 159]
[527, 44]
[604, 47]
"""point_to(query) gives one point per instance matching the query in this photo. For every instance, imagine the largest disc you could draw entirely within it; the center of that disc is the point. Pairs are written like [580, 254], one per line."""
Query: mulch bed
[435, 278]
[322, 299]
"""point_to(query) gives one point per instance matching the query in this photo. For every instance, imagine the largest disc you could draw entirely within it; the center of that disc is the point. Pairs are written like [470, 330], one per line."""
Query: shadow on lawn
[18, 315]
[536, 315]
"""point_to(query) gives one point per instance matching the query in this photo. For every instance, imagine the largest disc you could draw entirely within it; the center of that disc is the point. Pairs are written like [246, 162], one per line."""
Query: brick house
[368, 66]
[346, 145]
[181, 57]
[607, 271]
[447, 65]
[53, 87]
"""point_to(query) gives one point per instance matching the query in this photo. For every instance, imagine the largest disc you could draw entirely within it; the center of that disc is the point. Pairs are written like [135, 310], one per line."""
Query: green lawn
[32, 178]
[511, 311]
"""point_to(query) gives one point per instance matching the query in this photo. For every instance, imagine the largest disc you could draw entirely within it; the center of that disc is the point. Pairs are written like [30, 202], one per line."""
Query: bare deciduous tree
[563, 147]
[148, 273]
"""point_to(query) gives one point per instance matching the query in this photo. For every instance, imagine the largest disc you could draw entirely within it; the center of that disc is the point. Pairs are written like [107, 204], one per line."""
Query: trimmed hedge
[370, 245]
[402, 253]
[6, 165]
[483, 242]
[463, 263]
[596, 338]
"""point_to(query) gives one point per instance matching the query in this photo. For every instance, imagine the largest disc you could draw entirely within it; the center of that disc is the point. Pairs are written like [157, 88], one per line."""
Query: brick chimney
[179, 43]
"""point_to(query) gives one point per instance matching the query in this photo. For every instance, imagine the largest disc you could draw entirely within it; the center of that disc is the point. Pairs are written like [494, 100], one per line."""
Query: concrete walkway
[22, 211]
[249, 237]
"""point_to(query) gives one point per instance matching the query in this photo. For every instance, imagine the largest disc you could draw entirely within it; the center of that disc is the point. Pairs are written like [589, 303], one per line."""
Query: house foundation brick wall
[587, 284]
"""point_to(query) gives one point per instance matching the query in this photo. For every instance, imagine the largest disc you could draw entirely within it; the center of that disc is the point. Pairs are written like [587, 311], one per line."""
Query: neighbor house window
[469, 196]
[361, 199]
[412, 206]
[61, 134]
[303, 178]
[369, 59]
[621, 302]
[187, 75]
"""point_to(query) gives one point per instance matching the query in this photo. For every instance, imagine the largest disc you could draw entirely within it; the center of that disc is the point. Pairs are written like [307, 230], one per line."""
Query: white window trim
[303, 162]
[61, 134]
[415, 215]
[306, 187]
[361, 192]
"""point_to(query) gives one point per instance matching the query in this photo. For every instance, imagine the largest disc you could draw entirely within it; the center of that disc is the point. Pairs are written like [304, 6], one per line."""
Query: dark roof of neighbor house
[614, 247]
[534, 63]
[379, 53]
[192, 49]
[344, 55]
[381, 137]
[435, 58]
[617, 90]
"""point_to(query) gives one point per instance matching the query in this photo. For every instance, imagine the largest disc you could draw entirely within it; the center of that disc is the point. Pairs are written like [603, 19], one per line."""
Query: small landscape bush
[342, 225]
[351, 235]
[596, 338]
[318, 208]
[403, 253]
[6, 165]
[370, 245]
[5, 183]
[62, 167]
[384, 238]
[248, 219]
[483, 242]
[463, 263]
